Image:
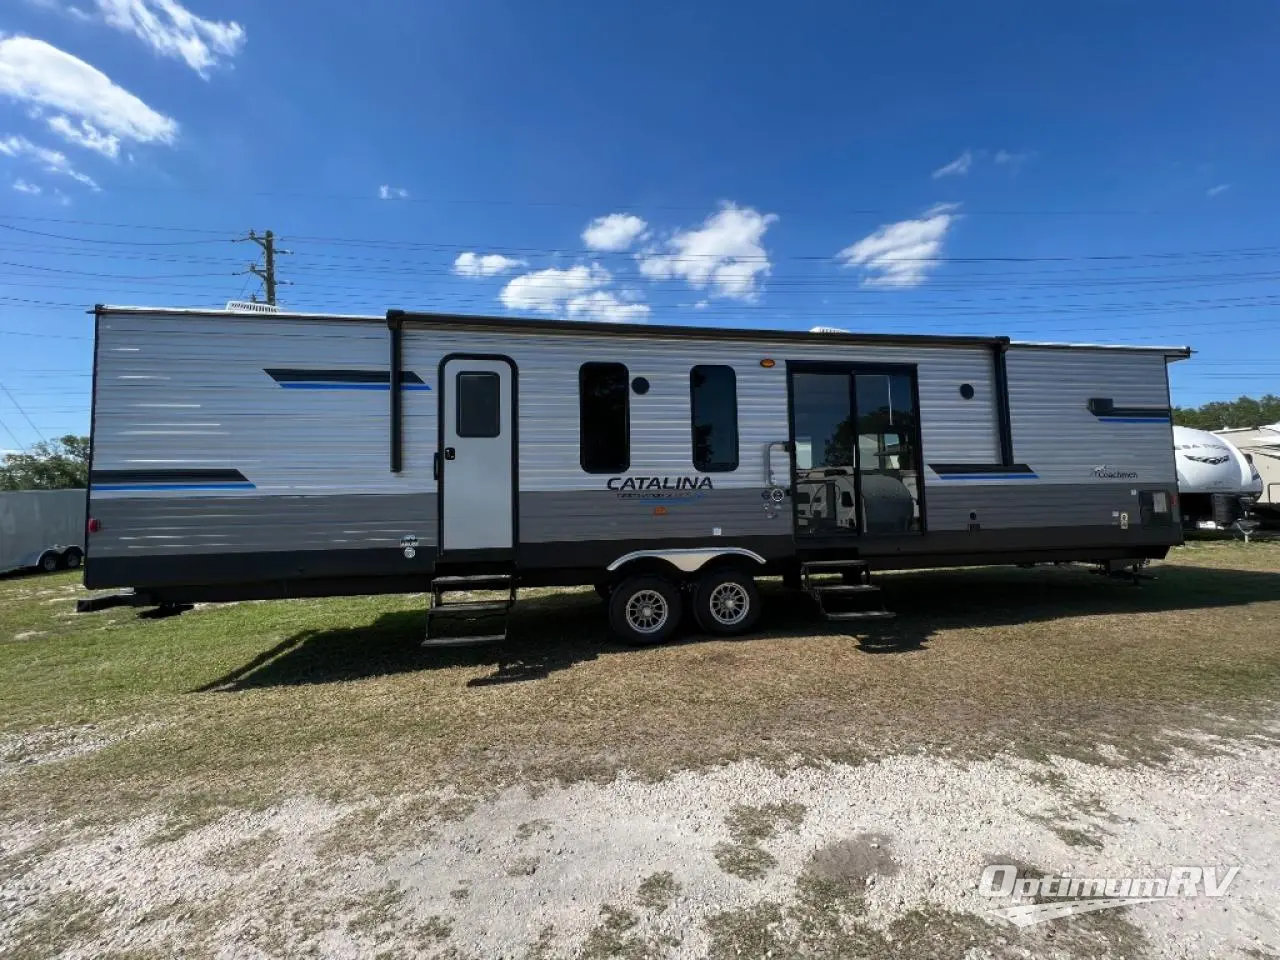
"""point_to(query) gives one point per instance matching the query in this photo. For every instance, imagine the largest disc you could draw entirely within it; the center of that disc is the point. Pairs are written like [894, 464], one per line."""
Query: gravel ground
[743, 860]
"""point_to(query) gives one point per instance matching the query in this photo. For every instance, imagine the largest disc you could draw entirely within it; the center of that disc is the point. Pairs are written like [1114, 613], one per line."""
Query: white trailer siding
[264, 439]
[33, 522]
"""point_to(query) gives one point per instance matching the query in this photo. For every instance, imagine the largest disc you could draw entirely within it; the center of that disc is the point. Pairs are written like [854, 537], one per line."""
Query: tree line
[61, 464]
[1220, 414]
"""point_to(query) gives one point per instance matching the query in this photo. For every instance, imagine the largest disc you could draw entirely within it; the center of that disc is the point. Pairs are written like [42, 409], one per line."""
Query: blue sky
[1098, 171]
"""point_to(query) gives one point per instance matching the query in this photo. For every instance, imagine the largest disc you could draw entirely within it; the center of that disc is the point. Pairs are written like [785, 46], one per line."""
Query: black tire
[629, 602]
[726, 602]
[49, 562]
[72, 558]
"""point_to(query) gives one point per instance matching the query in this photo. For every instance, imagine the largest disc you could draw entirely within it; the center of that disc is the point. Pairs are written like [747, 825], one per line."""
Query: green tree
[1241, 412]
[60, 465]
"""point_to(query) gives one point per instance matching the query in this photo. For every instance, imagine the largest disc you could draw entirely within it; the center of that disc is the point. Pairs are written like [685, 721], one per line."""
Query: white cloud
[725, 254]
[1220, 188]
[23, 187]
[702, 305]
[42, 76]
[1014, 160]
[604, 306]
[902, 254]
[579, 292]
[547, 291]
[957, 167]
[85, 135]
[613, 233]
[485, 265]
[386, 192]
[171, 30]
[52, 161]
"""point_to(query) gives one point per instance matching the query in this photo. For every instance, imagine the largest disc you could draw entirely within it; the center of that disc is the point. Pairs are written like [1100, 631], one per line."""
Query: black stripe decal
[962, 468]
[167, 476]
[294, 375]
[1104, 407]
[1138, 413]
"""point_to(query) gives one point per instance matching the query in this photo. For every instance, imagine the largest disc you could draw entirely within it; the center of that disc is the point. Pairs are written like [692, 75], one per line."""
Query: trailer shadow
[545, 634]
[558, 631]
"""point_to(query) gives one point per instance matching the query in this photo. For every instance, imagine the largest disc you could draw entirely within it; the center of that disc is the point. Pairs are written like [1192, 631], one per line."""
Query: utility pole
[267, 272]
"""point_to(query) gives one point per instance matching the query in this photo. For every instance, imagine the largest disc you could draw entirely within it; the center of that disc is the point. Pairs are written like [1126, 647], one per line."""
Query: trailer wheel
[726, 602]
[49, 561]
[645, 611]
[72, 558]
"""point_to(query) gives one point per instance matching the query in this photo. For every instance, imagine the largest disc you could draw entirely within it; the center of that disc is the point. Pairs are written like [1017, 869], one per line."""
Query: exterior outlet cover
[715, 531]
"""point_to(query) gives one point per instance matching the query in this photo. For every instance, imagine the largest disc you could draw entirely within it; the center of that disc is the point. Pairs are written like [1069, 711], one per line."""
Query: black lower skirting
[212, 577]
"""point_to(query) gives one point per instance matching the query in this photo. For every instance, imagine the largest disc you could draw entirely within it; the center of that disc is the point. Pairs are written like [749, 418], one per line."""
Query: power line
[1200, 210]
[30, 423]
[382, 243]
[12, 436]
[139, 243]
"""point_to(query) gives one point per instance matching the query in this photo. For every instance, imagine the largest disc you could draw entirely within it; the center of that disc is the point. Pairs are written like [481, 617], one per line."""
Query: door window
[824, 453]
[887, 456]
[479, 404]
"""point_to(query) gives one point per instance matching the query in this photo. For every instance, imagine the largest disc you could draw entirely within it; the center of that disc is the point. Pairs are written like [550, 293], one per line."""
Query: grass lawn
[241, 705]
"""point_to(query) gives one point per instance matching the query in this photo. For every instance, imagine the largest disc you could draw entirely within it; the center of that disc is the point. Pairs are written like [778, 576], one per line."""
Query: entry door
[855, 450]
[476, 460]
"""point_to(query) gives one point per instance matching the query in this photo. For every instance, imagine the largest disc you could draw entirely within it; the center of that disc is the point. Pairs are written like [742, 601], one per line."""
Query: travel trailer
[246, 455]
[41, 530]
[1216, 482]
[1261, 447]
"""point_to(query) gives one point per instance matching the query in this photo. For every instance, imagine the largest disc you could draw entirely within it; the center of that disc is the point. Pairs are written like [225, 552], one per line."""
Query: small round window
[966, 390]
[640, 385]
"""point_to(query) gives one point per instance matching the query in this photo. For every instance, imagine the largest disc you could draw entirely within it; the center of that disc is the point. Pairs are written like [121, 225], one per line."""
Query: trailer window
[604, 418]
[479, 404]
[713, 408]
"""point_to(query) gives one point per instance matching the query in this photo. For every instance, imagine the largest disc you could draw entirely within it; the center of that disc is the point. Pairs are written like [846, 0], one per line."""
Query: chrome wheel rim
[647, 611]
[729, 603]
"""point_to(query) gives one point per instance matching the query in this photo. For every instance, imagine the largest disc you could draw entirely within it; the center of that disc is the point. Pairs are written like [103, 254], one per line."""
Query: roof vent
[827, 330]
[250, 306]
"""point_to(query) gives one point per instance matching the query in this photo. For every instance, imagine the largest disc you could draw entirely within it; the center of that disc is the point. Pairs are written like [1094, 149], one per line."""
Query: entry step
[486, 581]
[845, 591]
[447, 617]
[833, 565]
[471, 641]
[464, 608]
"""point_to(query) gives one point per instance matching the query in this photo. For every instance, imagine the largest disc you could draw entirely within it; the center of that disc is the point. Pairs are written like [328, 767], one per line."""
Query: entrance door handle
[450, 453]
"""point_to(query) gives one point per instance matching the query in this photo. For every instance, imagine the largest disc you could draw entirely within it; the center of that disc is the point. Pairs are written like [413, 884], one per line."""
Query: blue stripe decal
[988, 476]
[174, 486]
[300, 385]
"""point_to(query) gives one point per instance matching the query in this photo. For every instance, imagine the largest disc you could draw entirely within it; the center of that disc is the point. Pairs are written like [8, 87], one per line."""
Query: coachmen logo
[1114, 473]
[659, 488]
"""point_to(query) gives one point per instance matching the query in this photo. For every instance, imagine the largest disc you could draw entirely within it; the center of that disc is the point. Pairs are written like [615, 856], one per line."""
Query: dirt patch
[19, 751]
[855, 860]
